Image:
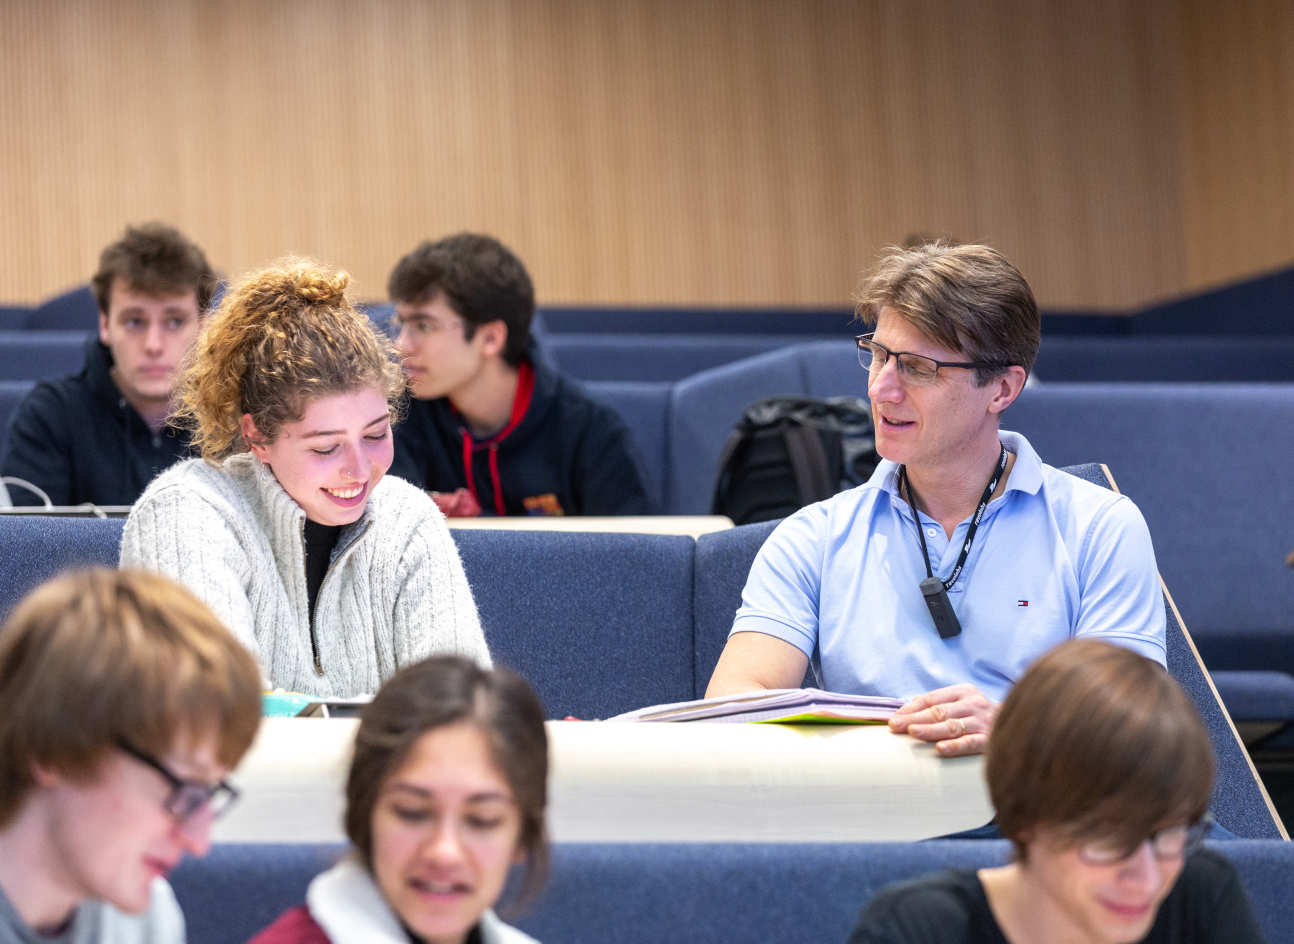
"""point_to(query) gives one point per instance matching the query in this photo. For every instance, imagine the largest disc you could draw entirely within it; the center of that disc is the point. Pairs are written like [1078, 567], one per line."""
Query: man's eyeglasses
[914, 368]
[421, 325]
[187, 798]
[1171, 843]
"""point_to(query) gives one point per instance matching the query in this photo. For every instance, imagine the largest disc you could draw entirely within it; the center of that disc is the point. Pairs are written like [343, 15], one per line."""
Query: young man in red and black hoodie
[491, 429]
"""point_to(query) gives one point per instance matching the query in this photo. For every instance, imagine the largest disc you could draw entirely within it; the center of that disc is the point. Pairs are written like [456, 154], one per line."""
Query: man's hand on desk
[957, 719]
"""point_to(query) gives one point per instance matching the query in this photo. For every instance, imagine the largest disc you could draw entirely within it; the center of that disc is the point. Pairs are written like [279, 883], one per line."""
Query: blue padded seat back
[239, 888]
[656, 356]
[677, 320]
[74, 310]
[705, 408]
[14, 317]
[34, 549]
[380, 314]
[723, 560]
[40, 355]
[702, 893]
[720, 893]
[1187, 359]
[599, 623]
[1239, 803]
[644, 407]
[1210, 468]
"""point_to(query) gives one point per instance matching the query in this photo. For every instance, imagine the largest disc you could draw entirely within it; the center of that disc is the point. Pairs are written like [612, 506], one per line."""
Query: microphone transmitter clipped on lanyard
[941, 608]
[934, 590]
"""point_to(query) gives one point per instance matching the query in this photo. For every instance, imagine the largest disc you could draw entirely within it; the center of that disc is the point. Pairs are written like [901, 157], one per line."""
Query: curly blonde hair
[282, 337]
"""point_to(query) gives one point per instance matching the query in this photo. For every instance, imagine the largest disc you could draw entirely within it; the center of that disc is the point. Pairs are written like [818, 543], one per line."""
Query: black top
[79, 440]
[1208, 904]
[320, 540]
[567, 454]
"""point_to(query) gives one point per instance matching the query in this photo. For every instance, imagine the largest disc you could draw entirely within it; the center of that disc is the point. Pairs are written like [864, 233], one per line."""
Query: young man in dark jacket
[492, 429]
[101, 435]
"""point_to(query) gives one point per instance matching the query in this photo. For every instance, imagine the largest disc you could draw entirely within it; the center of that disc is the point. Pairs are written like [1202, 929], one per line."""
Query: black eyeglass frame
[187, 797]
[1195, 833]
[866, 342]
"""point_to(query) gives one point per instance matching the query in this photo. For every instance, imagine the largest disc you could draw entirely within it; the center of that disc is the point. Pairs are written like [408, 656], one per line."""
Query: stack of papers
[778, 705]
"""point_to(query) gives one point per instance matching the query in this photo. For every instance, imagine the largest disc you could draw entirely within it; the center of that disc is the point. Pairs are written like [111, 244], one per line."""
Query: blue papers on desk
[778, 705]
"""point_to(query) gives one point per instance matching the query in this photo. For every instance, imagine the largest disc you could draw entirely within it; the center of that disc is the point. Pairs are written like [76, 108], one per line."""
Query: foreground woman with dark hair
[1100, 771]
[446, 793]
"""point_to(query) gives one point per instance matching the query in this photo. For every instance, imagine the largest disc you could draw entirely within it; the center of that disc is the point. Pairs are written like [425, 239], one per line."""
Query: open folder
[778, 705]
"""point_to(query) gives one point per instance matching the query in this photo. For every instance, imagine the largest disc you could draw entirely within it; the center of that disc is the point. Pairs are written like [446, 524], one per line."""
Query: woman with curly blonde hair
[335, 576]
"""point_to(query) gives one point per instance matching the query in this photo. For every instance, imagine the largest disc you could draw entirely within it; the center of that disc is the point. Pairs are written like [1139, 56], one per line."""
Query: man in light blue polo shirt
[1008, 557]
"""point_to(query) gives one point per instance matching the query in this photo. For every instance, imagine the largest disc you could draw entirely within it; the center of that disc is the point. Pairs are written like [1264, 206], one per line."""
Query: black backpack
[788, 452]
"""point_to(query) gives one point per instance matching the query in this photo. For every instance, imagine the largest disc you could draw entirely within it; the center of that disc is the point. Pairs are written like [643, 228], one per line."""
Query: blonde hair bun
[302, 280]
[283, 335]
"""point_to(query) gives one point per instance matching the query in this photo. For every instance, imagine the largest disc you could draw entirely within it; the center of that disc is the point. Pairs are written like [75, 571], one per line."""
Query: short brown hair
[283, 336]
[1097, 742]
[481, 279]
[96, 656]
[155, 259]
[968, 298]
[446, 690]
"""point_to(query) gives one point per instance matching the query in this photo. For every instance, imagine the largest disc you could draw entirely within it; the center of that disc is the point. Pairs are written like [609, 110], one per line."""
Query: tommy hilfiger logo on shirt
[1021, 602]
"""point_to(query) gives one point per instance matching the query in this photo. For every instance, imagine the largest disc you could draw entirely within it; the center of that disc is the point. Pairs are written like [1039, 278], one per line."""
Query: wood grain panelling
[678, 151]
[1238, 175]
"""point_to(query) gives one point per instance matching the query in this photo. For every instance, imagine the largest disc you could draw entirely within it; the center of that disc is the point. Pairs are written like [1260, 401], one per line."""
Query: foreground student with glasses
[1100, 771]
[126, 703]
[965, 556]
[446, 792]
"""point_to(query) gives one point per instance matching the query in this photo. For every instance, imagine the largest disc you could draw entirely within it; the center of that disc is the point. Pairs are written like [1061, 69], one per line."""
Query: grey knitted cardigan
[394, 593]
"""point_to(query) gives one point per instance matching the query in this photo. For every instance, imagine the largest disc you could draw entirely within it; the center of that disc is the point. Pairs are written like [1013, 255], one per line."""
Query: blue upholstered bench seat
[644, 406]
[656, 357]
[1257, 695]
[698, 893]
[13, 317]
[39, 355]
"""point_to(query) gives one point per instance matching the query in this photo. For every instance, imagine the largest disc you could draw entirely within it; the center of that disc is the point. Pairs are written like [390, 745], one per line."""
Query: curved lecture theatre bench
[604, 623]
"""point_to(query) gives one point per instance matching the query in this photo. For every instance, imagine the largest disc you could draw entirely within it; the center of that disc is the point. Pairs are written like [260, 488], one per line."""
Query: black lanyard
[933, 589]
[975, 523]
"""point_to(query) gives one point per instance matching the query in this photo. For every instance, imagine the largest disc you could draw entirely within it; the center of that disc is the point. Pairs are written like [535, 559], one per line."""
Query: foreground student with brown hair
[1100, 771]
[446, 792]
[335, 574]
[126, 703]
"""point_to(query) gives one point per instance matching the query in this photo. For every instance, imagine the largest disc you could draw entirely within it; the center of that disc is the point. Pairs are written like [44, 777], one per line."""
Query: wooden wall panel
[632, 151]
[1238, 173]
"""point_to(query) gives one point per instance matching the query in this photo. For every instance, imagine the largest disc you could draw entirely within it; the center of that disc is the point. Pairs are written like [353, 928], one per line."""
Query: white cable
[23, 483]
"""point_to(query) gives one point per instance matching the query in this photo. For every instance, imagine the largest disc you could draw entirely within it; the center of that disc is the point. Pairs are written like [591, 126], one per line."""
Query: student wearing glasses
[126, 704]
[964, 557]
[1100, 771]
[335, 574]
[446, 793]
[491, 428]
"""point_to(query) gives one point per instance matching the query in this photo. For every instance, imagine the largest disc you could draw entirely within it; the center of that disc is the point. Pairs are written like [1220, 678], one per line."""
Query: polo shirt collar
[1026, 474]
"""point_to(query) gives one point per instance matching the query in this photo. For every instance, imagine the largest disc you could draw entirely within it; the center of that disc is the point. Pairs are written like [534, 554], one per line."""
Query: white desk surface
[643, 782]
[692, 525]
